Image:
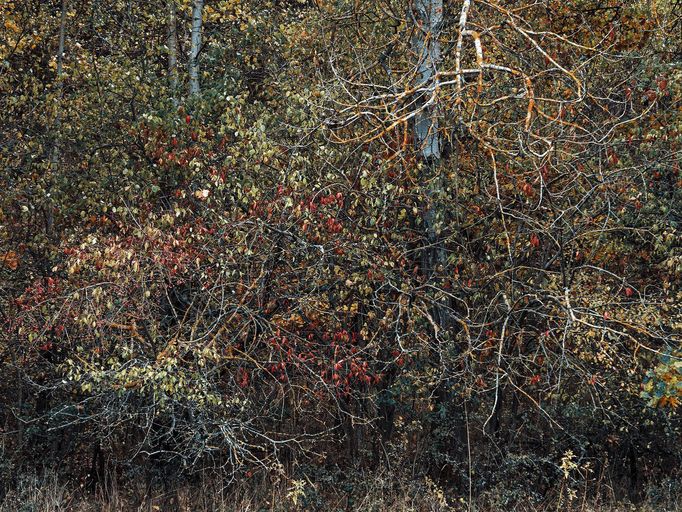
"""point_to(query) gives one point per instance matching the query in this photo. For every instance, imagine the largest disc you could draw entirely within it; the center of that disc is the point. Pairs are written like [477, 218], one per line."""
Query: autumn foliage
[268, 279]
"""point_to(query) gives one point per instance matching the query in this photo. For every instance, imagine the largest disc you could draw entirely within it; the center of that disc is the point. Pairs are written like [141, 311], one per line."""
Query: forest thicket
[340, 254]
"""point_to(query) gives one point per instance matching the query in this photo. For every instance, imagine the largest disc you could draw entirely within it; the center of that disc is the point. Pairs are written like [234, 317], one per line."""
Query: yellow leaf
[10, 25]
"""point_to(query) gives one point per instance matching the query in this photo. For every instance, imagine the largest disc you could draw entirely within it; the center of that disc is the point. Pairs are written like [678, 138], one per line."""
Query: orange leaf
[10, 259]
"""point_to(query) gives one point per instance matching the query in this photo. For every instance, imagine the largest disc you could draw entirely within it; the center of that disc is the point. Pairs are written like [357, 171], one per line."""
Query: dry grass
[33, 494]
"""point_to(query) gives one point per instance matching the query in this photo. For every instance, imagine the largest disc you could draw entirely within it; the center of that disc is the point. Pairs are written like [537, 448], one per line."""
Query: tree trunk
[195, 48]
[56, 149]
[429, 19]
[428, 15]
[173, 51]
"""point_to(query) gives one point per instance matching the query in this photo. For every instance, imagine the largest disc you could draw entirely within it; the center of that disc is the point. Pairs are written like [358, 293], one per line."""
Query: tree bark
[173, 50]
[56, 143]
[195, 48]
[428, 17]
[429, 21]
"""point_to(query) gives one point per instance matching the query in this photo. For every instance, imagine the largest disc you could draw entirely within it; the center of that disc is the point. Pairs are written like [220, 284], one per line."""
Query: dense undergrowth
[384, 255]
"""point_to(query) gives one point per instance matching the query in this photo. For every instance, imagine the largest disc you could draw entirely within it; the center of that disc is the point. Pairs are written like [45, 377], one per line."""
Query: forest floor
[266, 495]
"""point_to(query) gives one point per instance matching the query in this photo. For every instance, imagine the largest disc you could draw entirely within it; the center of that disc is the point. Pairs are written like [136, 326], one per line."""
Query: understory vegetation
[334, 255]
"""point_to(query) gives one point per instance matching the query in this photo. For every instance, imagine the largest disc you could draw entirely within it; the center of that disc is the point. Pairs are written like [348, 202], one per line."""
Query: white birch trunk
[173, 50]
[195, 48]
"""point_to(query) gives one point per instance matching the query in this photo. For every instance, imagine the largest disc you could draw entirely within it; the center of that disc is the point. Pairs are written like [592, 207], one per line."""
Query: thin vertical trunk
[195, 48]
[173, 50]
[56, 143]
[429, 18]
[62, 37]
[429, 21]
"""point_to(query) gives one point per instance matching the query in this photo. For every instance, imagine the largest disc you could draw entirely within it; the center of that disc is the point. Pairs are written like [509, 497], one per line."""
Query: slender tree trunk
[173, 50]
[428, 15]
[62, 38]
[195, 48]
[56, 143]
[429, 18]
